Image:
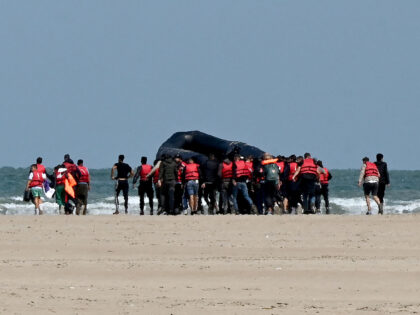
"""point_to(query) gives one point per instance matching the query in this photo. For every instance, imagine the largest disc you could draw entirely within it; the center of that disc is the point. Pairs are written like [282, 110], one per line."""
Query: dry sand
[210, 265]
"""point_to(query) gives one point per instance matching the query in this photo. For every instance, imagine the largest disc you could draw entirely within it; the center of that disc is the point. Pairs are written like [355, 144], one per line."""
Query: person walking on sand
[369, 177]
[145, 185]
[124, 172]
[82, 188]
[35, 185]
[384, 177]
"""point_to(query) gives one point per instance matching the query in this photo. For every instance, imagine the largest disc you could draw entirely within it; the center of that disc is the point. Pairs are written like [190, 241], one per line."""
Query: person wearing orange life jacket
[82, 189]
[322, 188]
[282, 194]
[192, 175]
[35, 184]
[240, 177]
[145, 184]
[369, 177]
[225, 173]
[309, 174]
[181, 195]
[272, 183]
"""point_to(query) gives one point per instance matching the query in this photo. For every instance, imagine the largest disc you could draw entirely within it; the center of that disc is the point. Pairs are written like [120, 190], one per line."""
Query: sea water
[403, 196]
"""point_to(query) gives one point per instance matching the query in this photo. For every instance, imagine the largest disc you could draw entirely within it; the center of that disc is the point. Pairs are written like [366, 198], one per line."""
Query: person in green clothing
[60, 194]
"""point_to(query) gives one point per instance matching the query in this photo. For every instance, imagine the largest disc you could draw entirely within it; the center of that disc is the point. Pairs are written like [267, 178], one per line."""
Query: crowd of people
[234, 185]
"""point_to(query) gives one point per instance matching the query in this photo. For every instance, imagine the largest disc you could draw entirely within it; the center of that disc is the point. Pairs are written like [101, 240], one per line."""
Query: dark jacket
[383, 171]
[168, 170]
[209, 171]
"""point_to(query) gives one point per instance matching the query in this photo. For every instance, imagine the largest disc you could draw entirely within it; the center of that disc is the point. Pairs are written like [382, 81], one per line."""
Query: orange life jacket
[156, 176]
[281, 166]
[371, 169]
[271, 161]
[69, 183]
[40, 168]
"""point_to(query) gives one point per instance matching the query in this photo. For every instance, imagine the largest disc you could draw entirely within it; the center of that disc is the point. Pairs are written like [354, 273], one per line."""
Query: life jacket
[191, 172]
[156, 176]
[70, 167]
[181, 170]
[85, 177]
[37, 180]
[309, 167]
[270, 161]
[241, 169]
[40, 168]
[323, 178]
[69, 183]
[145, 170]
[281, 166]
[227, 170]
[250, 168]
[59, 178]
[371, 169]
[293, 168]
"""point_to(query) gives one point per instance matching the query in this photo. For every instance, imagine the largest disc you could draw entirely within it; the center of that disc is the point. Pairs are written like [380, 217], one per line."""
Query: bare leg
[368, 203]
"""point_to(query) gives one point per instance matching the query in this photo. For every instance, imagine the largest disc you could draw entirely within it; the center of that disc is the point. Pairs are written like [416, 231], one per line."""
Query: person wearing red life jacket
[60, 194]
[322, 188]
[225, 173]
[258, 185]
[240, 178]
[308, 173]
[82, 189]
[35, 184]
[369, 177]
[145, 185]
[192, 175]
[181, 194]
[289, 200]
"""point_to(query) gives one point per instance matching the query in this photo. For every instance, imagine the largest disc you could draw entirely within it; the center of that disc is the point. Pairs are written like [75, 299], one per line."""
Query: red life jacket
[323, 178]
[40, 168]
[250, 168]
[59, 178]
[84, 177]
[191, 172]
[227, 170]
[241, 169]
[371, 169]
[293, 168]
[156, 176]
[309, 167]
[281, 166]
[145, 169]
[70, 167]
[37, 180]
[181, 170]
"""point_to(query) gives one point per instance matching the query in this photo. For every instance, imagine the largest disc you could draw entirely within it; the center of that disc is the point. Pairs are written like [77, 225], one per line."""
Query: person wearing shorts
[369, 177]
[35, 185]
[191, 177]
[124, 172]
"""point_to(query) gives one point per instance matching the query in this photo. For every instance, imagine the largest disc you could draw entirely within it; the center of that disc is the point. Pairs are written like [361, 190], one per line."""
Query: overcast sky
[339, 79]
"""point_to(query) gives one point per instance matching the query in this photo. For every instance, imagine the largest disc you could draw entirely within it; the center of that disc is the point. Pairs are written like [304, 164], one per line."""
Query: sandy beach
[210, 265]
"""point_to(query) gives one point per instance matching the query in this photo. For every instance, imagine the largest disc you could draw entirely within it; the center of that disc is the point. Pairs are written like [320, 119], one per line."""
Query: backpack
[271, 172]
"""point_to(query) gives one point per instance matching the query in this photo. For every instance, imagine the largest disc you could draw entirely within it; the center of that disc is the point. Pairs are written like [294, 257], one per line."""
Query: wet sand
[210, 265]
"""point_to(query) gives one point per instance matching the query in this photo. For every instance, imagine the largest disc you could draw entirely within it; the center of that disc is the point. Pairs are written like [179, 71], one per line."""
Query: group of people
[71, 183]
[375, 179]
[243, 185]
[236, 185]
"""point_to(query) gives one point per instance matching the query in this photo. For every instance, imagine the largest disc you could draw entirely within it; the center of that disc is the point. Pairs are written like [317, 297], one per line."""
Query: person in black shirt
[124, 172]
[210, 182]
[383, 179]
